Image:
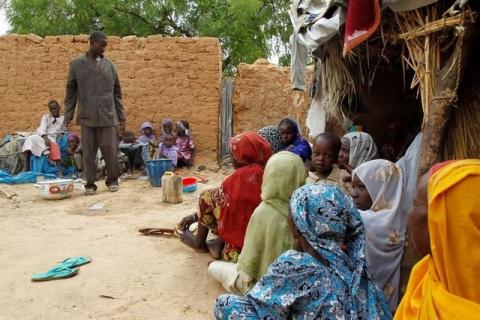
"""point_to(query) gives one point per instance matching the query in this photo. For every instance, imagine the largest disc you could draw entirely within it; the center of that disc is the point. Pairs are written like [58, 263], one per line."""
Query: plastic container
[189, 184]
[55, 189]
[172, 190]
[156, 170]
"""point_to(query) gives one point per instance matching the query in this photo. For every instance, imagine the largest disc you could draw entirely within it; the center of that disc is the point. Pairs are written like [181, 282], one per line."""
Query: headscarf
[241, 190]
[444, 285]
[144, 138]
[249, 148]
[183, 127]
[268, 235]
[362, 148]
[272, 135]
[325, 216]
[146, 125]
[385, 223]
[301, 147]
[75, 136]
[165, 122]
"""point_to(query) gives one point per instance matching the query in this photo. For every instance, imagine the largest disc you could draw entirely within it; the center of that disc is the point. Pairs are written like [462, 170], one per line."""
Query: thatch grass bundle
[335, 83]
[423, 52]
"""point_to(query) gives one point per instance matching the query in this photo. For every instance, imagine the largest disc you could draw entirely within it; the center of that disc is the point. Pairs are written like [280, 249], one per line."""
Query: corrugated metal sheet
[226, 111]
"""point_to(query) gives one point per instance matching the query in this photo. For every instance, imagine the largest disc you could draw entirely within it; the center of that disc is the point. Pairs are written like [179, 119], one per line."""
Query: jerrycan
[172, 188]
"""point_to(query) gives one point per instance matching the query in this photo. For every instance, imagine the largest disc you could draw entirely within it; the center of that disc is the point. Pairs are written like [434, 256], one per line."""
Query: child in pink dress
[185, 144]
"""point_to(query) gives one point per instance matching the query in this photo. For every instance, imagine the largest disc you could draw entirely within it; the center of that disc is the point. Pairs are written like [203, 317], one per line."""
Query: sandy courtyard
[130, 277]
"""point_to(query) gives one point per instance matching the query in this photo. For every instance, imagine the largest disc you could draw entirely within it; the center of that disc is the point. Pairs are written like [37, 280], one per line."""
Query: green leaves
[247, 29]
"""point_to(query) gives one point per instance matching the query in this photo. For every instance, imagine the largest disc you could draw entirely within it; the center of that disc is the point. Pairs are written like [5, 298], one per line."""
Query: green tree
[247, 29]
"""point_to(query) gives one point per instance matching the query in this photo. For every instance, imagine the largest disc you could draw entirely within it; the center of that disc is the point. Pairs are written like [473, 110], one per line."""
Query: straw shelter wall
[160, 77]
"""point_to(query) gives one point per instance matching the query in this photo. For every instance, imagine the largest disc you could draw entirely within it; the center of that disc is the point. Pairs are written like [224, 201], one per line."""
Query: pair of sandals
[91, 191]
[65, 269]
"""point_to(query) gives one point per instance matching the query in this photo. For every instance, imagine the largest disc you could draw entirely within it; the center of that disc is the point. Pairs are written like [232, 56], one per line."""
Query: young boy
[326, 148]
[43, 142]
[168, 150]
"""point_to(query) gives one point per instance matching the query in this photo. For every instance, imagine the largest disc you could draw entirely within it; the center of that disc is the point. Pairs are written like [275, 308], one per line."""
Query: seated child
[71, 158]
[326, 148]
[168, 150]
[148, 141]
[167, 128]
[44, 141]
[185, 144]
[132, 150]
[148, 134]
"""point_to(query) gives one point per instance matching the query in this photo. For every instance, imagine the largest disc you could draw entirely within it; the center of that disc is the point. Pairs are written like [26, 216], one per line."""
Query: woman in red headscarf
[226, 210]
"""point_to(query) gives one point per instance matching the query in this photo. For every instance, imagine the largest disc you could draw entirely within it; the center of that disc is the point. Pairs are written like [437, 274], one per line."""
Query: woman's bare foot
[215, 247]
[190, 240]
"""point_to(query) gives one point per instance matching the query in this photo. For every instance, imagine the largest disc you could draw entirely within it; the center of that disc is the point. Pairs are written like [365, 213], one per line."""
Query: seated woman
[273, 137]
[44, 141]
[379, 194]
[325, 277]
[293, 141]
[185, 144]
[357, 148]
[226, 210]
[267, 234]
[444, 228]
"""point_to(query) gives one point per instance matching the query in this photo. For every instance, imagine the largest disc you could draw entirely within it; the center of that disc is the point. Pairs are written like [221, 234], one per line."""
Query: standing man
[93, 83]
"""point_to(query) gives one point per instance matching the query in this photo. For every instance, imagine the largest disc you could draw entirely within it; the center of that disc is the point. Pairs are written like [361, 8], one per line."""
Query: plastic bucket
[156, 169]
[189, 184]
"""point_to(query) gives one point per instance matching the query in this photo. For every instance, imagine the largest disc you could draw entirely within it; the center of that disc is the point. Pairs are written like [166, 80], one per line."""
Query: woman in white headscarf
[379, 194]
[357, 148]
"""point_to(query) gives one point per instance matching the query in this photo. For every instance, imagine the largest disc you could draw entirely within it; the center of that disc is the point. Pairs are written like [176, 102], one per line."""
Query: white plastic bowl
[55, 189]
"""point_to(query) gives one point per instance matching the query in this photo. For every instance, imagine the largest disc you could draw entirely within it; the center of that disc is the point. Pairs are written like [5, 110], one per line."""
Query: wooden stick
[438, 25]
[6, 194]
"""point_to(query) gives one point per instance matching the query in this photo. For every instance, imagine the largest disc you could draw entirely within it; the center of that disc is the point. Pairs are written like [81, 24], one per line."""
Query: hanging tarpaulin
[406, 5]
[363, 18]
[315, 22]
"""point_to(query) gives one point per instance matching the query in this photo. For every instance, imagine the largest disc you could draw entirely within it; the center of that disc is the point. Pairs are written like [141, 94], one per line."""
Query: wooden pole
[444, 98]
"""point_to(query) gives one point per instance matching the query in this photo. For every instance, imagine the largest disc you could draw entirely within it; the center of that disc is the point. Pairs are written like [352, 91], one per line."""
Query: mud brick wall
[263, 96]
[161, 77]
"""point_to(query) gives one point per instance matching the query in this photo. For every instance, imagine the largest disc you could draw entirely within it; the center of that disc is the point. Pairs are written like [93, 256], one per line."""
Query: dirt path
[147, 277]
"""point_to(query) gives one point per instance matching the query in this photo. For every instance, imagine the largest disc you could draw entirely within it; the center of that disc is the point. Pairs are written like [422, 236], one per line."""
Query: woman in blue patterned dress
[325, 277]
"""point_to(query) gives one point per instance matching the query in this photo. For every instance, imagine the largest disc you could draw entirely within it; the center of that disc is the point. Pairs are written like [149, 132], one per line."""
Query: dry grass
[424, 52]
[335, 83]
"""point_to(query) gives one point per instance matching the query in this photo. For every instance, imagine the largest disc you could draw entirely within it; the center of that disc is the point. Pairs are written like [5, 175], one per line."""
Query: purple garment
[171, 153]
[300, 147]
[144, 139]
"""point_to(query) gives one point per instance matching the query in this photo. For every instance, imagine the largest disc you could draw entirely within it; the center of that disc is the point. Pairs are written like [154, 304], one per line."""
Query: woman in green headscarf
[267, 234]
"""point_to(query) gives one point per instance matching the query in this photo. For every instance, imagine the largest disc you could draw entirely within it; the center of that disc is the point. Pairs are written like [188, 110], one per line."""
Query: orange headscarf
[444, 284]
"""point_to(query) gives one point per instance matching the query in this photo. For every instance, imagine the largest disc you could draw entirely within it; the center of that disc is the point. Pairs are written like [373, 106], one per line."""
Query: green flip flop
[55, 274]
[74, 262]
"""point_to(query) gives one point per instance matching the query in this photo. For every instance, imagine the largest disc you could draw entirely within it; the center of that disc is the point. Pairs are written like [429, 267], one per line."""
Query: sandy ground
[147, 277]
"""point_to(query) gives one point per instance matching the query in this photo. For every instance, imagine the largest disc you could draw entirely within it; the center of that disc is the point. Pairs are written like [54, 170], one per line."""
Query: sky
[4, 26]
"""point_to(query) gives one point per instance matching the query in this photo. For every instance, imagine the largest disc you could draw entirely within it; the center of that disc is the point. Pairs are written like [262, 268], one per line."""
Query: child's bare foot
[215, 247]
[190, 240]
